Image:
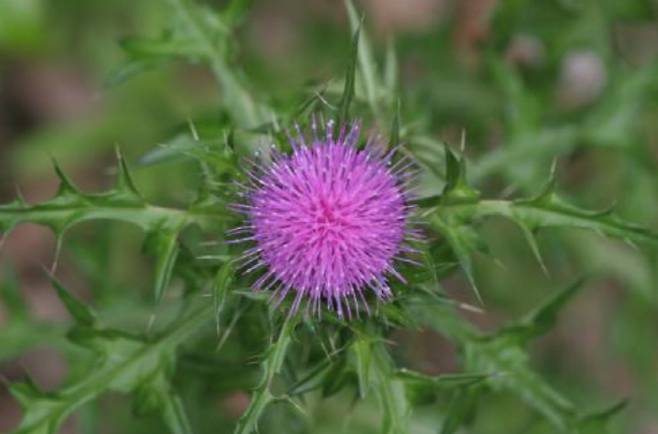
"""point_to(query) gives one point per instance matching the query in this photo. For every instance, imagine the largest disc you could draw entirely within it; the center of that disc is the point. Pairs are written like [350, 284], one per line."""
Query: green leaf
[503, 354]
[391, 70]
[362, 350]
[262, 396]
[207, 35]
[445, 381]
[156, 394]
[597, 422]
[315, 378]
[395, 128]
[551, 211]
[220, 287]
[350, 74]
[80, 312]
[124, 364]
[541, 320]
[393, 401]
[464, 241]
[163, 244]
[460, 208]
[457, 189]
[460, 410]
[366, 62]
[70, 207]
[124, 181]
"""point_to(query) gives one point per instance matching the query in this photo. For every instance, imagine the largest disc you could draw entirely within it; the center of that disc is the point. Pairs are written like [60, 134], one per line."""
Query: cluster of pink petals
[328, 221]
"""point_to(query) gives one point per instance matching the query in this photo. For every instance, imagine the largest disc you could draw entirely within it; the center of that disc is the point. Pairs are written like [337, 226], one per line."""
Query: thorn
[609, 210]
[19, 196]
[58, 250]
[470, 308]
[462, 144]
[151, 322]
[476, 291]
[65, 183]
[553, 170]
[632, 244]
[193, 130]
[124, 180]
[530, 238]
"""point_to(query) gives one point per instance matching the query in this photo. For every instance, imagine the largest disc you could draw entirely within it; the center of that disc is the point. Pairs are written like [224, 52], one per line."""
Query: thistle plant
[321, 236]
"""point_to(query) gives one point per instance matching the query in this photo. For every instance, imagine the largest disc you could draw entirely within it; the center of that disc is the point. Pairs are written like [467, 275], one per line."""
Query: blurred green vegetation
[528, 83]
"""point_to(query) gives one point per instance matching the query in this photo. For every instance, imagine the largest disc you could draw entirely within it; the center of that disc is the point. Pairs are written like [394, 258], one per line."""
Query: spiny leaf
[362, 350]
[553, 212]
[156, 394]
[390, 392]
[456, 189]
[547, 193]
[503, 353]
[124, 181]
[532, 242]
[461, 408]
[220, 289]
[203, 32]
[455, 214]
[366, 62]
[66, 186]
[391, 70]
[125, 363]
[395, 128]
[337, 377]
[70, 207]
[464, 241]
[350, 74]
[314, 379]
[167, 45]
[445, 381]
[544, 317]
[597, 422]
[80, 312]
[163, 244]
[271, 365]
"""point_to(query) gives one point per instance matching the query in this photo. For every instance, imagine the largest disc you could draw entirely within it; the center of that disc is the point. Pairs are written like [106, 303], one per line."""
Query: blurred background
[528, 81]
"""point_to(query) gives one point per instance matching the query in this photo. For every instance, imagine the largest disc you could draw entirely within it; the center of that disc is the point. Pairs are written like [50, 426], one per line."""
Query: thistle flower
[328, 221]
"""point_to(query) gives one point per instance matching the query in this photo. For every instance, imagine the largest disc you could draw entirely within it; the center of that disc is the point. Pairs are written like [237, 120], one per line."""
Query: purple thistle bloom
[327, 220]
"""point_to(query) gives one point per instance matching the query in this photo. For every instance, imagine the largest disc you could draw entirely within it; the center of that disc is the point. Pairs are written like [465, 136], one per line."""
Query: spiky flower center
[328, 221]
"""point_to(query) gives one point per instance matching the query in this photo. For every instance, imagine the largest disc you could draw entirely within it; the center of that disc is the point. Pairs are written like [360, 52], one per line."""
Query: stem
[272, 364]
[145, 216]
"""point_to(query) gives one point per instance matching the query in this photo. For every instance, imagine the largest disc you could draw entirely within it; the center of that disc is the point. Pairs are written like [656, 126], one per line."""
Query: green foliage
[308, 374]
[70, 207]
[455, 211]
[123, 363]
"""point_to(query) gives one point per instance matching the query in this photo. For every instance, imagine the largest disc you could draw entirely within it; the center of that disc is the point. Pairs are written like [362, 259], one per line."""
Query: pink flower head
[328, 220]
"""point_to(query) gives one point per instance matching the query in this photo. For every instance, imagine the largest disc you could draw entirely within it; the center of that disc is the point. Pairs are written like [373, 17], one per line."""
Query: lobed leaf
[455, 212]
[124, 363]
[350, 77]
[70, 207]
[366, 62]
[271, 365]
[504, 354]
